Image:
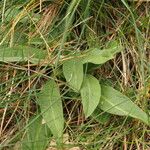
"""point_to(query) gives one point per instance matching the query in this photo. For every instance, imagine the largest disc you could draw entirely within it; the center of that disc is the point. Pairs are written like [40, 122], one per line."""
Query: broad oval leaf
[50, 104]
[37, 135]
[73, 72]
[114, 102]
[90, 94]
[97, 56]
[22, 53]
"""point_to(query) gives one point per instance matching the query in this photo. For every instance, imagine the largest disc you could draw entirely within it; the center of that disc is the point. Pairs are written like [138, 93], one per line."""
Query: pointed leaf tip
[114, 102]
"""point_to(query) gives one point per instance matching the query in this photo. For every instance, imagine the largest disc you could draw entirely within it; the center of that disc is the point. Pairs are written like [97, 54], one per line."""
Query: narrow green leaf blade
[73, 72]
[37, 135]
[90, 94]
[114, 102]
[97, 56]
[51, 107]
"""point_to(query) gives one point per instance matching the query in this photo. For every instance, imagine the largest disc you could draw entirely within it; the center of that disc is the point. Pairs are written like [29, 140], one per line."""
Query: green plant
[54, 65]
[93, 94]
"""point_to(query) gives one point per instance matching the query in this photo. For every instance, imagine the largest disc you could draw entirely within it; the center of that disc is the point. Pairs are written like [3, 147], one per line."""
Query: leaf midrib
[115, 106]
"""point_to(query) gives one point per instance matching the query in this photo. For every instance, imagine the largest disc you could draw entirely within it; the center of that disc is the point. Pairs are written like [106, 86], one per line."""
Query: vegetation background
[63, 27]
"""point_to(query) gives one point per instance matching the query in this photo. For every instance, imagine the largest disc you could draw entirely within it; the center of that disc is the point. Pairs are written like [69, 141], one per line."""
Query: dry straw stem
[48, 15]
[140, 0]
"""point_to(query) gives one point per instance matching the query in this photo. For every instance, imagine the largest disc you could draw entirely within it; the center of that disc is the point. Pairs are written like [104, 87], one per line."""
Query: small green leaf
[90, 94]
[21, 53]
[114, 102]
[51, 107]
[97, 56]
[73, 72]
[37, 135]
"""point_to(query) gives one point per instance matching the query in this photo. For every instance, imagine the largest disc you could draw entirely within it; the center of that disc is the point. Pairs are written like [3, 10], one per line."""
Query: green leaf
[97, 56]
[100, 116]
[90, 94]
[112, 44]
[51, 108]
[21, 53]
[114, 102]
[73, 72]
[37, 135]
